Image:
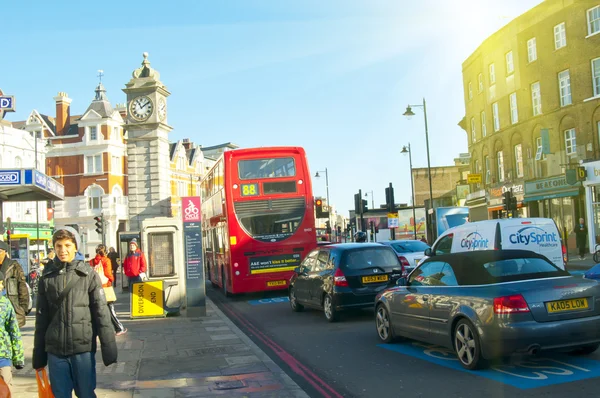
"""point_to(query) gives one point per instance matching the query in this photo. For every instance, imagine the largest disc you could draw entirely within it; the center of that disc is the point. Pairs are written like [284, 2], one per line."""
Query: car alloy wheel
[466, 344]
[330, 313]
[384, 327]
[296, 307]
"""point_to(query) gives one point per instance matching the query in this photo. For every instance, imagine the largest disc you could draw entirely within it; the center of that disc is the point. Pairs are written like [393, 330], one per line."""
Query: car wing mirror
[397, 271]
[428, 252]
[402, 282]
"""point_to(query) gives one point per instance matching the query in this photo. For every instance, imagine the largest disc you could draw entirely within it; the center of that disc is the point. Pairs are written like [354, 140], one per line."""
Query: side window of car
[331, 262]
[429, 274]
[444, 246]
[448, 276]
[309, 262]
[322, 260]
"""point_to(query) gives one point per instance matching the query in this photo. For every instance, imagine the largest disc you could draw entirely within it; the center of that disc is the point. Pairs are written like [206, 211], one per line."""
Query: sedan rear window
[508, 270]
[372, 257]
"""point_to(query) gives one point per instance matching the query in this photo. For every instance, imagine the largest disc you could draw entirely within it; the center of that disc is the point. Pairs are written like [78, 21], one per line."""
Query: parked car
[539, 235]
[342, 276]
[492, 303]
[409, 252]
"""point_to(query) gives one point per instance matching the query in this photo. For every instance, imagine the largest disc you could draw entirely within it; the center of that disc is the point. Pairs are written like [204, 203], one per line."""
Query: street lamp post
[37, 204]
[412, 188]
[372, 199]
[327, 188]
[409, 113]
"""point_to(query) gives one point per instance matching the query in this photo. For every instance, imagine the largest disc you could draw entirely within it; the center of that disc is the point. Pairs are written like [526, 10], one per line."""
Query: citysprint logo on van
[534, 236]
[474, 241]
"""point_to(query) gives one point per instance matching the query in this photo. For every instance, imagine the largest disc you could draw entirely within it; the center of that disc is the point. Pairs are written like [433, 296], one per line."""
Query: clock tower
[147, 146]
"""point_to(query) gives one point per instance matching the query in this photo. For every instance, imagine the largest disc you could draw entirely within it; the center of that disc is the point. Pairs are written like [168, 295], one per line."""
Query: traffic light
[328, 227]
[319, 208]
[357, 204]
[389, 199]
[99, 224]
[506, 201]
[339, 230]
[365, 208]
[372, 225]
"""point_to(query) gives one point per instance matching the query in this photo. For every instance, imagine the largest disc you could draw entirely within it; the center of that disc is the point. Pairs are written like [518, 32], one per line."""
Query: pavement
[574, 263]
[176, 357]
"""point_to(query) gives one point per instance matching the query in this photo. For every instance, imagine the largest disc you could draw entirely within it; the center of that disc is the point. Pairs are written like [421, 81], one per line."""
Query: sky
[331, 76]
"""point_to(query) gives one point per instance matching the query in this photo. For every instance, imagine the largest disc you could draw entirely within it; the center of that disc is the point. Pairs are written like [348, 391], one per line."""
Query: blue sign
[523, 373]
[192, 235]
[10, 177]
[41, 180]
[7, 103]
[273, 300]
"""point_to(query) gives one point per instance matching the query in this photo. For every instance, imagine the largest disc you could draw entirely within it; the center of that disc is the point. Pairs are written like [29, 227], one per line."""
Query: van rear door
[538, 235]
[472, 237]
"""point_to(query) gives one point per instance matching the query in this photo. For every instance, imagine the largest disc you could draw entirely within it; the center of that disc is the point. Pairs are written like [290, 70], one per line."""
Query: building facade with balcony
[532, 101]
[188, 166]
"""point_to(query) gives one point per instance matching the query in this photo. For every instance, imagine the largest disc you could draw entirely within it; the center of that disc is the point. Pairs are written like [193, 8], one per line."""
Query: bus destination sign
[250, 189]
[279, 263]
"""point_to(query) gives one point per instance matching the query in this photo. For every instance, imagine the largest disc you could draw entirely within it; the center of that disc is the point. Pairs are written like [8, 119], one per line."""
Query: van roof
[537, 220]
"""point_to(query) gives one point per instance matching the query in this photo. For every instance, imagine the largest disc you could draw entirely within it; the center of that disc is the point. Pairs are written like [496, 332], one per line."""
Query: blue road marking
[269, 300]
[524, 373]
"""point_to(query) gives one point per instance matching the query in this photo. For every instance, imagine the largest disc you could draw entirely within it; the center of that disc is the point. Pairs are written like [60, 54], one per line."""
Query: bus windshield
[266, 168]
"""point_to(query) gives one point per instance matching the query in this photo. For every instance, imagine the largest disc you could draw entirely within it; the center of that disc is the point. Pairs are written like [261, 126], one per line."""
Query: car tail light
[510, 304]
[339, 279]
[564, 253]
[404, 263]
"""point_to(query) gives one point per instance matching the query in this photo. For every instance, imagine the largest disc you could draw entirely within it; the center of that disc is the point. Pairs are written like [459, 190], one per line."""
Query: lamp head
[409, 113]
[404, 149]
[317, 175]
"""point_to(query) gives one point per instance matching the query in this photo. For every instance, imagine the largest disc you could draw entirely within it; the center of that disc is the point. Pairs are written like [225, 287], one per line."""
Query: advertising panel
[278, 263]
[405, 224]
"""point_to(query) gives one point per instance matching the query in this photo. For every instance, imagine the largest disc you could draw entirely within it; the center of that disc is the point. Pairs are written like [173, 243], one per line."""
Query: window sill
[592, 98]
[593, 34]
[95, 173]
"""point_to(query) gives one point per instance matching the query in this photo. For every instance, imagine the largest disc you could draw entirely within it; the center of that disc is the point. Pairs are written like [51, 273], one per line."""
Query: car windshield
[410, 246]
[369, 258]
[508, 270]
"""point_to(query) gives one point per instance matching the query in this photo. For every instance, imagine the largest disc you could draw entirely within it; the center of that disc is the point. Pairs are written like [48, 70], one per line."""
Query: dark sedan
[341, 276]
[489, 304]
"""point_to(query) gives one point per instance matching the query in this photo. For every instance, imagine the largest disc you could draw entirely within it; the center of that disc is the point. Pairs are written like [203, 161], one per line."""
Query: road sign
[7, 103]
[393, 220]
[473, 178]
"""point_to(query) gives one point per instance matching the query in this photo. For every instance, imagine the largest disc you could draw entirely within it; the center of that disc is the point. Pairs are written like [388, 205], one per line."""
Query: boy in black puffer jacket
[71, 313]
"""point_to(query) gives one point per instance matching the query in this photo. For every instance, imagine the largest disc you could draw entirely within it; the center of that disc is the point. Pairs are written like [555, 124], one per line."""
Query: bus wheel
[224, 280]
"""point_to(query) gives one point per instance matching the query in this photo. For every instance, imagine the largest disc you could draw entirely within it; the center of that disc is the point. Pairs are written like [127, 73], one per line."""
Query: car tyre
[586, 349]
[331, 314]
[296, 307]
[383, 325]
[467, 345]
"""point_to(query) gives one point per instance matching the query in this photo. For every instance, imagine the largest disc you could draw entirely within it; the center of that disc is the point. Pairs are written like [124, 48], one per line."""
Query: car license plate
[375, 278]
[276, 283]
[567, 305]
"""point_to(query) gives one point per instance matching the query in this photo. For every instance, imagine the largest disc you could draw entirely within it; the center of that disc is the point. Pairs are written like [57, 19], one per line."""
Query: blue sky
[331, 76]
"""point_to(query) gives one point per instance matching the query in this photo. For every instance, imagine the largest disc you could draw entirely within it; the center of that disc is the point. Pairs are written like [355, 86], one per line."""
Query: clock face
[162, 109]
[141, 108]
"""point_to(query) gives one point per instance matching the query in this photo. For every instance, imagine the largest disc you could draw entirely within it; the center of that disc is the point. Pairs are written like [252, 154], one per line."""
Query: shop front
[477, 204]
[554, 198]
[592, 195]
[496, 203]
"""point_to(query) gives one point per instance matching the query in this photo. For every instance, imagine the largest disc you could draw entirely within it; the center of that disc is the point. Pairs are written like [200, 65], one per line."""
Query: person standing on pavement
[11, 345]
[103, 267]
[71, 313]
[581, 232]
[113, 256]
[14, 281]
[134, 264]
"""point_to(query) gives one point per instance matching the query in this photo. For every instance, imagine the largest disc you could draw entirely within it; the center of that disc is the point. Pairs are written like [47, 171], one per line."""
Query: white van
[539, 235]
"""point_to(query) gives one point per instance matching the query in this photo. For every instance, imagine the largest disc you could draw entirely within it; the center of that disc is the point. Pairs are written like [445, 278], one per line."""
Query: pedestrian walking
[134, 264]
[113, 256]
[11, 345]
[14, 281]
[581, 232]
[103, 267]
[71, 313]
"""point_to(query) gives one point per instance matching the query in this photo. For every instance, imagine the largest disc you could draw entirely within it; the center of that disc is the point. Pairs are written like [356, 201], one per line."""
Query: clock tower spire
[147, 145]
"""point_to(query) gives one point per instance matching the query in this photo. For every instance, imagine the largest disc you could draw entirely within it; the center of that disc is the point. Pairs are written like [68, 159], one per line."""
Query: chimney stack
[63, 113]
[187, 144]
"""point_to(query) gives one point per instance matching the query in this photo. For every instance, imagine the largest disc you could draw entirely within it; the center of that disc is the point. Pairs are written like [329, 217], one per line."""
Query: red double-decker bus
[257, 218]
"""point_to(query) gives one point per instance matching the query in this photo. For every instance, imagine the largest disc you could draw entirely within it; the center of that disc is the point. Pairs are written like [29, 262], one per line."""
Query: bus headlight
[237, 273]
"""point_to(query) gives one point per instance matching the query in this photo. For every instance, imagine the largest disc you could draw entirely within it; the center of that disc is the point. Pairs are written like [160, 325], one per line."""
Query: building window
[473, 132]
[93, 133]
[593, 17]
[483, 126]
[531, 50]
[570, 142]
[95, 198]
[500, 158]
[488, 169]
[496, 116]
[560, 36]
[93, 164]
[181, 189]
[476, 167]
[596, 76]
[536, 99]
[470, 91]
[564, 84]
[510, 66]
[538, 153]
[518, 161]
[514, 111]
[115, 133]
[181, 163]
[116, 165]
[492, 74]
[480, 79]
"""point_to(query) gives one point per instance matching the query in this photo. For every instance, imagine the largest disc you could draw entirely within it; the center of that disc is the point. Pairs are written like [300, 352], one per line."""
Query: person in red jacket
[102, 265]
[134, 265]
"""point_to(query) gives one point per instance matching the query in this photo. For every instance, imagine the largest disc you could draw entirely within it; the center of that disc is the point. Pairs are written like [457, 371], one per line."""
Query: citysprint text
[474, 243]
[533, 238]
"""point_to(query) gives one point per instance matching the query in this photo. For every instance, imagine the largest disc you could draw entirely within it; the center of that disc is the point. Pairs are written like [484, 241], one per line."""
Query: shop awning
[552, 195]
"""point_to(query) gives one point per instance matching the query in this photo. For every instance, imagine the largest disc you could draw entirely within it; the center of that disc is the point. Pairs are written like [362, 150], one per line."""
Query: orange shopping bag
[4, 390]
[44, 390]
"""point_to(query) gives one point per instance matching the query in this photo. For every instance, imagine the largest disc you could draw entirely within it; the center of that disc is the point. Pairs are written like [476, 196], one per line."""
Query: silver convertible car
[489, 304]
